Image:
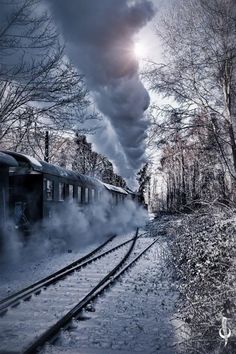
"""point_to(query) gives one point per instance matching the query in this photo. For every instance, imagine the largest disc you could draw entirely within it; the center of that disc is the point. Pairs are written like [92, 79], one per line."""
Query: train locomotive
[31, 190]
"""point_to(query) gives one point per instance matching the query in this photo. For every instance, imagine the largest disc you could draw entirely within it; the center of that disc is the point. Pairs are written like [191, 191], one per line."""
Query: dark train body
[32, 190]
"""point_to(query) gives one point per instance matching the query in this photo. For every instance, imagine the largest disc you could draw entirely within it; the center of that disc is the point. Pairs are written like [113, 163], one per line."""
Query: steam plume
[73, 227]
[99, 37]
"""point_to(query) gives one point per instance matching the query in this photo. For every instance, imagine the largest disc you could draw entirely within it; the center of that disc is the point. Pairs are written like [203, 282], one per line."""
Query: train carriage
[33, 190]
[36, 188]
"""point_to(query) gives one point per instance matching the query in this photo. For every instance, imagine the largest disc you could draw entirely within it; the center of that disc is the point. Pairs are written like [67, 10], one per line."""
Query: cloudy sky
[102, 38]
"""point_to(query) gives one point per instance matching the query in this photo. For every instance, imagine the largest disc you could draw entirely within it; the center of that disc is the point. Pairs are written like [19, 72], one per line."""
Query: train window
[71, 191]
[86, 195]
[49, 188]
[93, 195]
[62, 191]
[79, 194]
[99, 195]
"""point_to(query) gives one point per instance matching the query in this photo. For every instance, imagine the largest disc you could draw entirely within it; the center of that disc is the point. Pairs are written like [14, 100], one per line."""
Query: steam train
[31, 190]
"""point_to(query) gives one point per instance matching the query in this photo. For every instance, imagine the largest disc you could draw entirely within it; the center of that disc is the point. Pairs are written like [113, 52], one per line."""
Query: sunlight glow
[139, 50]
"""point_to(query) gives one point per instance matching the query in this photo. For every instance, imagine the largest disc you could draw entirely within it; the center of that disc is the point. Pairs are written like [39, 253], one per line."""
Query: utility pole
[46, 155]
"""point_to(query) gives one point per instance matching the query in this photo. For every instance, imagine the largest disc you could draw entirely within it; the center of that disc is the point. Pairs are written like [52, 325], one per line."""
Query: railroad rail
[19, 295]
[16, 320]
[35, 288]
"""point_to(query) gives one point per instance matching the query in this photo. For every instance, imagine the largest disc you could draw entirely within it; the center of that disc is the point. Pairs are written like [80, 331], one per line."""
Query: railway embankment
[202, 254]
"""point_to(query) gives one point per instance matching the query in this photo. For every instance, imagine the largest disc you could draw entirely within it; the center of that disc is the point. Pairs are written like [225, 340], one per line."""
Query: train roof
[16, 159]
[129, 191]
[7, 160]
[23, 160]
[75, 176]
[110, 187]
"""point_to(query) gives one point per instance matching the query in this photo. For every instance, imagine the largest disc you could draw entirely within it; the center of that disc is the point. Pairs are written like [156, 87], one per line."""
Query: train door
[4, 177]
[6, 162]
[25, 200]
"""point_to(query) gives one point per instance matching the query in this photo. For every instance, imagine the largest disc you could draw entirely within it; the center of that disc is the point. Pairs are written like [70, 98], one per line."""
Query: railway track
[38, 313]
[24, 294]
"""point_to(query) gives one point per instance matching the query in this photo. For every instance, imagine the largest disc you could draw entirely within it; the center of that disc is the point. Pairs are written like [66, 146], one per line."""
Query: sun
[139, 50]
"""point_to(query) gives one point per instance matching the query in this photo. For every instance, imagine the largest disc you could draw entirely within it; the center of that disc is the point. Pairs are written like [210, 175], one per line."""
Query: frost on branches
[203, 249]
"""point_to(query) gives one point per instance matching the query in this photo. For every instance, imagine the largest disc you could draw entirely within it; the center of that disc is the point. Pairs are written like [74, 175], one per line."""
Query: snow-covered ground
[202, 253]
[136, 315]
[21, 325]
[171, 301]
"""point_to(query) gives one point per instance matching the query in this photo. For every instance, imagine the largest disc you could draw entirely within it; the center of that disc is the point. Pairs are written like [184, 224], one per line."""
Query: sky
[100, 39]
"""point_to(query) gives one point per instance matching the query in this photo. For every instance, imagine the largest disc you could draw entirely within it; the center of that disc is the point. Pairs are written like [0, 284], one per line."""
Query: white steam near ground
[72, 228]
[99, 37]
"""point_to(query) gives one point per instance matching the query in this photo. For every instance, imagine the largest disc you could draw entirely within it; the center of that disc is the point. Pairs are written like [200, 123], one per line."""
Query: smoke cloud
[99, 38]
[72, 227]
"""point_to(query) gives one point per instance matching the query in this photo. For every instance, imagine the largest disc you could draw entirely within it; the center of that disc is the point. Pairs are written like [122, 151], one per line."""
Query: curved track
[27, 325]
[35, 288]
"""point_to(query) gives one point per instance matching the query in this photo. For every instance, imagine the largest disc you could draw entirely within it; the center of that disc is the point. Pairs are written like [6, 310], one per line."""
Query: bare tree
[38, 86]
[199, 74]
[191, 165]
[86, 161]
[199, 38]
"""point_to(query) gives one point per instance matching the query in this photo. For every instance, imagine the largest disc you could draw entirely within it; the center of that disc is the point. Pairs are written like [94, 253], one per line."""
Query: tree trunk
[233, 144]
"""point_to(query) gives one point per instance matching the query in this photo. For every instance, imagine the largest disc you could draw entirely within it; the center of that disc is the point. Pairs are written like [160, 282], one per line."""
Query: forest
[194, 130]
